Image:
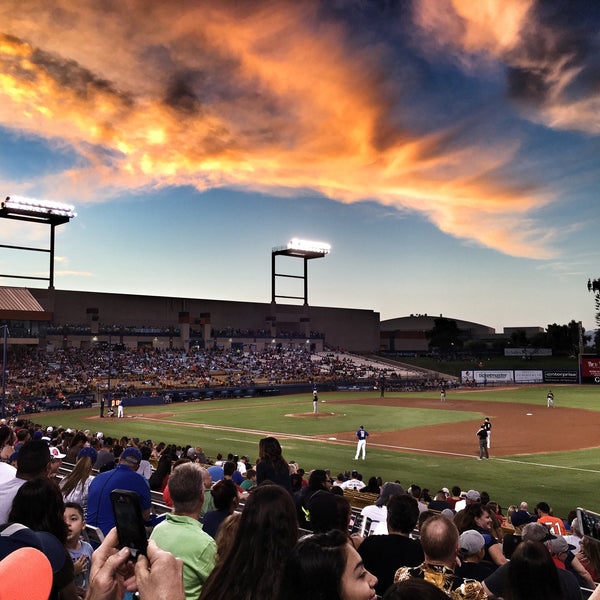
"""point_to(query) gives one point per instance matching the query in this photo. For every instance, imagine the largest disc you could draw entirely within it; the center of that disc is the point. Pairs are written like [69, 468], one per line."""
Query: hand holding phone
[129, 521]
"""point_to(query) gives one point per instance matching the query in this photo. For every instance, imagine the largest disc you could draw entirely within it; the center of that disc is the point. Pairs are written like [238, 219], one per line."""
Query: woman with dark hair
[265, 535]
[372, 486]
[7, 442]
[325, 566]
[478, 517]
[225, 496]
[272, 466]
[532, 575]
[39, 505]
[76, 485]
[158, 479]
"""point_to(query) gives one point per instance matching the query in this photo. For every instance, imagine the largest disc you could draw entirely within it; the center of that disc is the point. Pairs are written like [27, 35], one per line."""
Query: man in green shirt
[181, 533]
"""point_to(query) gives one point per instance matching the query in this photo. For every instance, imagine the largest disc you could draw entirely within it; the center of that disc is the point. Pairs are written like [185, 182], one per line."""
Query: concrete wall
[351, 329]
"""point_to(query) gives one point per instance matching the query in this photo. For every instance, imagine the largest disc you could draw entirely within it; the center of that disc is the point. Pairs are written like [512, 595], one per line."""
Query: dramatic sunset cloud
[284, 97]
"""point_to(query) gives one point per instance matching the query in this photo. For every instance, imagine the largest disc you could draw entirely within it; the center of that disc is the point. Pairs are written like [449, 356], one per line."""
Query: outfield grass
[563, 479]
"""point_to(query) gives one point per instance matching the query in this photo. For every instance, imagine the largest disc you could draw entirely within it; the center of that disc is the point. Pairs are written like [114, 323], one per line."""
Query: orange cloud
[257, 97]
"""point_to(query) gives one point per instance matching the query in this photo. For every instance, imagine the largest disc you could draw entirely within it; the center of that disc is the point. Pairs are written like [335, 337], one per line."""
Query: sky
[448, 150]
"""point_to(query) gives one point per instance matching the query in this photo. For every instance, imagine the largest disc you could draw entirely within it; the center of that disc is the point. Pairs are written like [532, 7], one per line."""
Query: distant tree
[518, 339]
[445, 335]
[563, 339]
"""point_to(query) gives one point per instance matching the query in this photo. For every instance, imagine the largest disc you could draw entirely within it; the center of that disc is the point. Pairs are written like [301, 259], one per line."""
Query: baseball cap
[473, 495]
[25, 566]
[15, 536]
[471, 541]
[559, 545]
[56, 453]
[522, 517]
[536, 532]
[389, 489]
[49, 429]
[88, 451]
[131, 455]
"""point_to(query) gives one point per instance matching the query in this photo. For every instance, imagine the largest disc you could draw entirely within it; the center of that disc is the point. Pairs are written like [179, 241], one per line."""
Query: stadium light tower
[46, 212]
[297, 248]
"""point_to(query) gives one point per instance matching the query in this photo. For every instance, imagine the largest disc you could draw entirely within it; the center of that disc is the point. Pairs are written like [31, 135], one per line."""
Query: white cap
[56, 453]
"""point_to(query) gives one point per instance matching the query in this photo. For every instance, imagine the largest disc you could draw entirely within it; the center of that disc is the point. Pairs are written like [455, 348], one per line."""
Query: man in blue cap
[122, 477]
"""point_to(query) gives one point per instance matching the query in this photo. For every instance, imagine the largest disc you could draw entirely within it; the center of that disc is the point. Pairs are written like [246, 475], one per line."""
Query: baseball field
[537, 453]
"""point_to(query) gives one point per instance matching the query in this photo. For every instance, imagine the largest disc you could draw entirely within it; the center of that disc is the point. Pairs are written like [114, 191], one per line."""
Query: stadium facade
[50, 318]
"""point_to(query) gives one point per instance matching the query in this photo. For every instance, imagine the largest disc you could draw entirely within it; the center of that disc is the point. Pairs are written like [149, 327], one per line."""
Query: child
[80, 551]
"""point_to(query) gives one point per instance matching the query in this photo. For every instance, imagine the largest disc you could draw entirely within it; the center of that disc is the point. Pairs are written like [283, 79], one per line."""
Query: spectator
[575, 535]
[478, 517]
[250, 480]
[383, 555]
[7, 441]
[39, 505]
[439, 540]
[209, 503]
[79, 550]
[544, 513]
[316, 482]
[326, 567]
[181, 533]
[589, 556]
[33, 462]
[519, 519]
[531, 575]
[272, 466]
[155, 578]
[378, 512]
[226, 535]
[159, 478]
[533, 532]
[563, 558]
[354, 483]
[439, 502]
[124, 477]
[75, 486]
[145, 468]
[77, 443]
[106, 458]
[372, 486]
[265, 536]
[56, 458]
[471, 552]
[225, 496]
[330, 511]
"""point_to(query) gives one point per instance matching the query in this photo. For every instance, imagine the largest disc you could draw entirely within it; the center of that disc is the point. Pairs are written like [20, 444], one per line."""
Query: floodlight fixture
[309, 246]
[20, 208]
[297, 248]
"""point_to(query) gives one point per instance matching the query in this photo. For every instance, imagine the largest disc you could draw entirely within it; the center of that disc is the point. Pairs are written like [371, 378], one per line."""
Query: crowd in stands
[265, 528]
[55, 374]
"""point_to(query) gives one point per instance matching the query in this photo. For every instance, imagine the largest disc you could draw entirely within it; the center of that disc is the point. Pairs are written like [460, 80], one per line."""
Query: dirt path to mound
[516, 428]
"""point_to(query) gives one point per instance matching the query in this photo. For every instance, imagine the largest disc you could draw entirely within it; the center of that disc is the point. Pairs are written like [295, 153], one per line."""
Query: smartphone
[589, 523]
[129, 521]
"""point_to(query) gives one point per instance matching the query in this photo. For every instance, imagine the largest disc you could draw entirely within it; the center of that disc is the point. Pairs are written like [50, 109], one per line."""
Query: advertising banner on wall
[531, 376]
[561, 376]
[590, 369]
[487, 377]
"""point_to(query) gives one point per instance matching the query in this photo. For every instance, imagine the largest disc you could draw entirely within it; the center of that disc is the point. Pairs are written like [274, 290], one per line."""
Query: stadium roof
[18, 303]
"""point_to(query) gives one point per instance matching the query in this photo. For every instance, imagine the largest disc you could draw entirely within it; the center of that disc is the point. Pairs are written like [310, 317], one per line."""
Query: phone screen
[129, 521]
